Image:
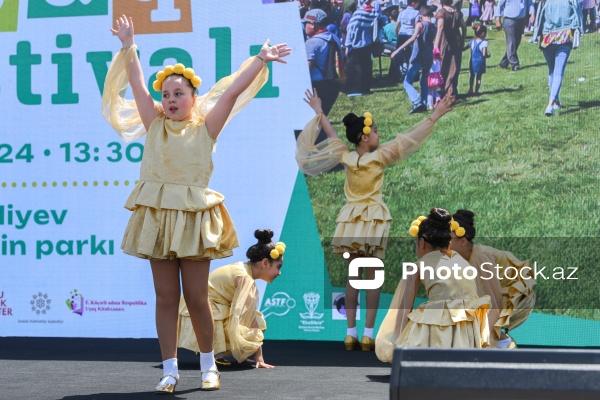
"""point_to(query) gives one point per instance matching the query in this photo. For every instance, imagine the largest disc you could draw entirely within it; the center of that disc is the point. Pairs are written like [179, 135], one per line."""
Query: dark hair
[394, 15]
[426, 11]
[257, 252]
[446, 2]
[435, 230]
[479, 30]
[465, 219]
[354, 127]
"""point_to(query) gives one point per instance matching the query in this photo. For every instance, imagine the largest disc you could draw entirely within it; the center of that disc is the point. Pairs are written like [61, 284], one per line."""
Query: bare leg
[471, 80]
[351, 304]
[194, 277]
[166, 286]
[478, 84]
[372, 300]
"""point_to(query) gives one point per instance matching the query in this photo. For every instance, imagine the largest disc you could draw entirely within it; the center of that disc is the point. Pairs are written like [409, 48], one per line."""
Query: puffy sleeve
[518, 297]
[245, 328]
[396, 318]
[206, 102]
[312, 158]
[405, 143]
[120, 113]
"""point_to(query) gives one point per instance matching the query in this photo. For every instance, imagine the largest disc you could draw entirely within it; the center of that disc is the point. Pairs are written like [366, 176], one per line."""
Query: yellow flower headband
[414, 227]
[458, 230]
[278, 250]
[178, 69]
[368, 122]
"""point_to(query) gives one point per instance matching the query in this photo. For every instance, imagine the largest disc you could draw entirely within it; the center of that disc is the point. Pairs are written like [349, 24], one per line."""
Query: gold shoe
[223, 362]
[166, 388]
[211, 385]
[367, 343]
[351, 343]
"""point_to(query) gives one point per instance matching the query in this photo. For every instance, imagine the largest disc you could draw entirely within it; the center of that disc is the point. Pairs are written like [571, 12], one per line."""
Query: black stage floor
[107, 369]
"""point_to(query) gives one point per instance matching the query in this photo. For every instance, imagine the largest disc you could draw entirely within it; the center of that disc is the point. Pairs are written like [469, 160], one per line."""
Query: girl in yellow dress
[233, 298]
[363, 224]
[177, 222]
[454, 315]
[510, 286]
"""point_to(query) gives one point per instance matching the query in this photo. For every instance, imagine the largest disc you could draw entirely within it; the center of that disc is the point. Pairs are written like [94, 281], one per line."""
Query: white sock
[170, 368]
[368, 332]
[207, 362]
[352, 332]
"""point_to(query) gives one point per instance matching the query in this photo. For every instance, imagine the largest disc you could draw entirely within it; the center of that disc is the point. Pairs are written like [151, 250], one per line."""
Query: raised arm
[143, 99]
[409, 141]
[313, 100]
[315, 158]
[216, 118]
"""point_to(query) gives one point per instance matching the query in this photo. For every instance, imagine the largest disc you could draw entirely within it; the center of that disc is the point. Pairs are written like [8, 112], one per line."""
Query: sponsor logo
[40, 303]
[75, 302]
[338, 308]
[311, 321]
[5, 310]
[278, 304]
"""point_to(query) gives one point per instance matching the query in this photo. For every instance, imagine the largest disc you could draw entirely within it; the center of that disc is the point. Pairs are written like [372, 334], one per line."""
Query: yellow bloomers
[178, 69]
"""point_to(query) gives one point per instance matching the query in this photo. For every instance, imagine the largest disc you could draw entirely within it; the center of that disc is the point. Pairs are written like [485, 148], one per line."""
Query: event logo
[66, 8]
[164, 16]
[5, 311]
[9, 15]
[75, 303]
[40, 303]
[278, 304]
[365, 262]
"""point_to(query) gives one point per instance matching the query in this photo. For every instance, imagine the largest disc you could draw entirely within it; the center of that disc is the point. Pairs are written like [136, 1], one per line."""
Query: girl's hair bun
[264, 236]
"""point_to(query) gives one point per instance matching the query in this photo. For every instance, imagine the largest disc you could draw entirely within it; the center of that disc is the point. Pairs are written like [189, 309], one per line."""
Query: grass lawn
[532, 181]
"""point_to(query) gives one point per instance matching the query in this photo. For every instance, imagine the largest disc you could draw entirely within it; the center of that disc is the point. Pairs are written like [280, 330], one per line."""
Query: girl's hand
[124, 30]
[313, 101]
[260, 363]
[443, 107]
[274, 53]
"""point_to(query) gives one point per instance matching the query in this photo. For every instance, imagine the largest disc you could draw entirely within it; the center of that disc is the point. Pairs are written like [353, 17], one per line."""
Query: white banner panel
[65, 174]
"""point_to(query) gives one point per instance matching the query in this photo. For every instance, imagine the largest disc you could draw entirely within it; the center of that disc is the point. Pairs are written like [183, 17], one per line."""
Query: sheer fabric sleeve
[120, 113]
[245, 328]
[405, 143]
[396, 318]
[312, 158]
[206, 102]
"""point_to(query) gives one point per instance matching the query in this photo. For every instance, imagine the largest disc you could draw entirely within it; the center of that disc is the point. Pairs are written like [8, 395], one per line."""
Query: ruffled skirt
[362, 229]
[166, 225]
[457, 323]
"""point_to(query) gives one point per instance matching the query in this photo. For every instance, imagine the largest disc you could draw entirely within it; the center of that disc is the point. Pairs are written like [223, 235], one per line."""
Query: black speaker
[495, 374]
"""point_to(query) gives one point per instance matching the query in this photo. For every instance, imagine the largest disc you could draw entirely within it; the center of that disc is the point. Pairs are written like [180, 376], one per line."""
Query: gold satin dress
[363, 223]
[174, 213]
[454, 315]
[239, 326]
